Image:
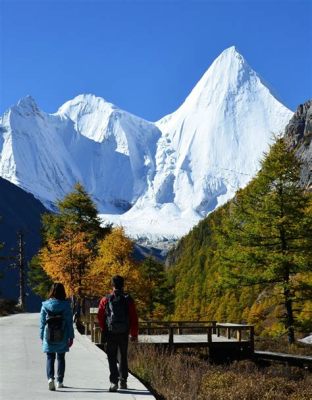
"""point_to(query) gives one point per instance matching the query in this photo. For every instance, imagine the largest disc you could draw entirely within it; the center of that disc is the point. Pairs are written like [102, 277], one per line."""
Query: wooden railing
[92, 326]
[179, 326]
[230, 331]
[237, 331]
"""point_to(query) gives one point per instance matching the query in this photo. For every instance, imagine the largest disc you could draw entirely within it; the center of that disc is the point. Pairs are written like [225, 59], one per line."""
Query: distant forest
[251, 260]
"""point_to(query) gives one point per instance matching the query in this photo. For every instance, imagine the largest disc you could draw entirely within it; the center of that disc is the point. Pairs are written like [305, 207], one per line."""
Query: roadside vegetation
[183, 377]
[7, 307]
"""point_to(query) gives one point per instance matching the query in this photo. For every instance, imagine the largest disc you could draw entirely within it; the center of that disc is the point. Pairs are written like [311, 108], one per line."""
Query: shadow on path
[71, 389]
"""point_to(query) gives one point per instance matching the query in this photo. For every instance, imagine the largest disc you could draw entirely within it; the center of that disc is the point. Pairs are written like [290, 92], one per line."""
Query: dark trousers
[117, 350]
[60, 366]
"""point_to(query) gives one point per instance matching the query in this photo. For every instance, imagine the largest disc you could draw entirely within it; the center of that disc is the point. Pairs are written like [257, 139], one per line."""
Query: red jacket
[133, 316]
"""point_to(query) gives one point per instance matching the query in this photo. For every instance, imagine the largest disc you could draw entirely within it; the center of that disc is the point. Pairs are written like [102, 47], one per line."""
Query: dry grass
[182, 377]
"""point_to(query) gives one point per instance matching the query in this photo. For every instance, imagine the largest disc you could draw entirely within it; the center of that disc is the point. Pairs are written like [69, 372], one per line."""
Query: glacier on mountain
[155, 179]
[47, 154]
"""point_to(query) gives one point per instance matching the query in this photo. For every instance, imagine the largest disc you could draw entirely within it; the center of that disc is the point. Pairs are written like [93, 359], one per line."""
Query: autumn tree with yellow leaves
[115, 256]
[68, 261]
[145, 280]
[70, 239]
[84, 256]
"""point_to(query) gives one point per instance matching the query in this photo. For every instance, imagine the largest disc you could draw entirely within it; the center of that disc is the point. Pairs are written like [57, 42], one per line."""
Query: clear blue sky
[145, 56]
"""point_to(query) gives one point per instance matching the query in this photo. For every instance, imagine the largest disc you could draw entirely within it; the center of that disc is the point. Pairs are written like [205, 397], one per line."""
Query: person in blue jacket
[56, 304]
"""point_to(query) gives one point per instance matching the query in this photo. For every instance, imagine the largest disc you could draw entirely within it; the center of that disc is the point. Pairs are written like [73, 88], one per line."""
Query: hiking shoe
[123, 384]
[51, 384]
[113, 387]
[59, 385]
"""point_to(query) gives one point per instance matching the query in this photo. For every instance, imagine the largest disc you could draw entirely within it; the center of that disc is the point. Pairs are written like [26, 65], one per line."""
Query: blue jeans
[60, 366]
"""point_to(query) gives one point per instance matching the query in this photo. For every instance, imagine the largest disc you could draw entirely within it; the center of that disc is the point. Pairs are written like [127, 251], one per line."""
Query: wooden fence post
[252, 339]
[214, 327]
[228, 331]
[92, 327]
[171, 337]
[209, 334]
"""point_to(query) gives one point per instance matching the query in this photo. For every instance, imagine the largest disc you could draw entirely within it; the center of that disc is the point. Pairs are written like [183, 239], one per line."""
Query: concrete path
[22, 367]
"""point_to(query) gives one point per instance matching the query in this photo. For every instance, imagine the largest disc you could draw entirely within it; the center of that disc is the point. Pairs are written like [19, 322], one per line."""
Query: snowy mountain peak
[90, 114]
[217, 136]
[27, 105]
[155, 179]
[98, 119]
[227, 74]
[230, 53]
[84, 104]
[229, 65]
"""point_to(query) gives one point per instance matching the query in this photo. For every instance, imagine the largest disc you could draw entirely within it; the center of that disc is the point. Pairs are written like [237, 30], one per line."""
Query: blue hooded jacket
[56, 306]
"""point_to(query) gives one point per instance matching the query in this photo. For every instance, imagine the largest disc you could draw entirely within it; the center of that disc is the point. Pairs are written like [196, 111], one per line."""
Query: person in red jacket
[118, 318]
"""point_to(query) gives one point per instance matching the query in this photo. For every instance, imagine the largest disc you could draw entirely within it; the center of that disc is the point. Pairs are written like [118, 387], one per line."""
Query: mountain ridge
[156, 179]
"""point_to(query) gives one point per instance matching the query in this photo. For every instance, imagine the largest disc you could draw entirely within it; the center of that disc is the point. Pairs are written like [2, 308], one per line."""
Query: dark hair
[118, 282]
[57, 291]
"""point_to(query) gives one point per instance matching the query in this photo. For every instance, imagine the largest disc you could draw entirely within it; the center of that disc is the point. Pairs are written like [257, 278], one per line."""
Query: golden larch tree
[115, 257]
[68, 261]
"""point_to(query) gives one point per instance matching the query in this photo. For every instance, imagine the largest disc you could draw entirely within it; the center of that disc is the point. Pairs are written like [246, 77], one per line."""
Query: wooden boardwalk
[289, 359]
[224, 341]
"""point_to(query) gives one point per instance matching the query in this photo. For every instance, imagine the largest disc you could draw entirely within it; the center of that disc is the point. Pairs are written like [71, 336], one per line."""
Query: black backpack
[55, 327]
[117, 313]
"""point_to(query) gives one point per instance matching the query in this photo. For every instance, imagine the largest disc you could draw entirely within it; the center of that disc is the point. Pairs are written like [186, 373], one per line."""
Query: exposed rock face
[299, 135]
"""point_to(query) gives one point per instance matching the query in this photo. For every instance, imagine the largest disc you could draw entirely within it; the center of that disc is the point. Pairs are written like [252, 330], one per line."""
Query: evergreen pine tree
[78, 211]
[157, 292]
[38, 279]
[266, 237]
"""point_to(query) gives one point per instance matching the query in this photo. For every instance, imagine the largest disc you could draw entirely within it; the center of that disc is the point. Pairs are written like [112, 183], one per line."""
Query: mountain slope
[18, 211]
[158, 179]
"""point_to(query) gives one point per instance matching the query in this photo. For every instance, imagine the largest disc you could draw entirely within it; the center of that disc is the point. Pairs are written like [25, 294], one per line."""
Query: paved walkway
[22, 367]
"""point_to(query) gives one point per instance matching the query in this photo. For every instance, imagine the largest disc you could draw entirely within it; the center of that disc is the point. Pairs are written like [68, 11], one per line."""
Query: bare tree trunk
[22, 272]
[289, 323]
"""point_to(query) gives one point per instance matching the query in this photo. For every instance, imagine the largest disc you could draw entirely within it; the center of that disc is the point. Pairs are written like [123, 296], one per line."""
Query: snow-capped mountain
[157, 179]
[88, 140]
[218, 135]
